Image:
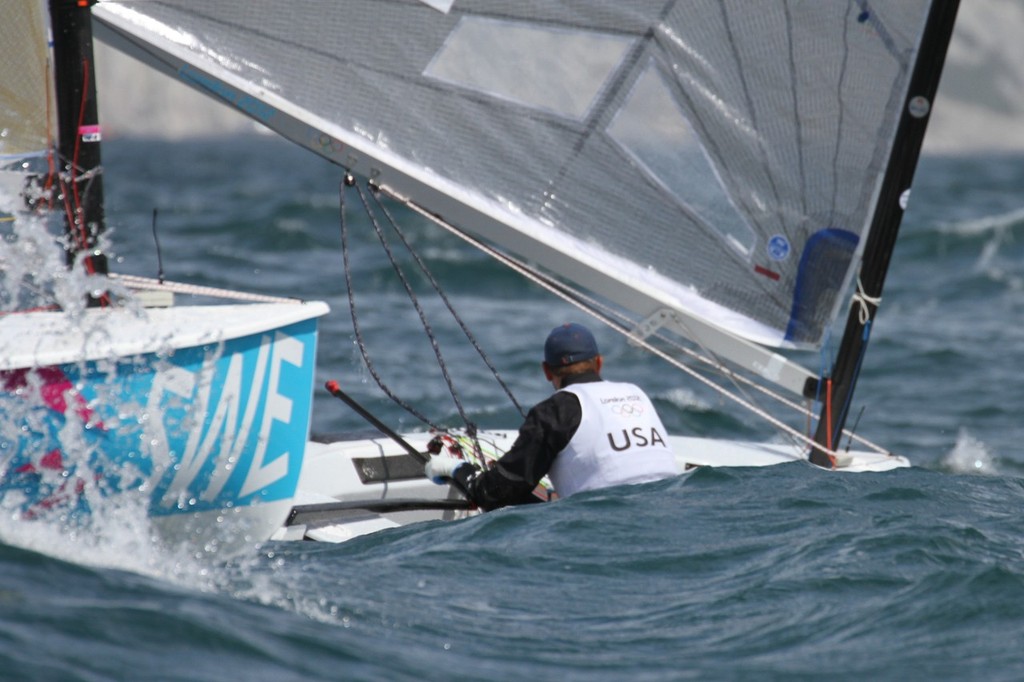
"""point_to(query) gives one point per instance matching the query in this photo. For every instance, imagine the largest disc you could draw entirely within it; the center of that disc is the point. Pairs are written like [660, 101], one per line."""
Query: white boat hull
[376, 471]
[732, 453]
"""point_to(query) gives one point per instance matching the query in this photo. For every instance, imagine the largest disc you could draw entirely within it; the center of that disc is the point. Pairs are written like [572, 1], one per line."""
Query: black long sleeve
[547, 429]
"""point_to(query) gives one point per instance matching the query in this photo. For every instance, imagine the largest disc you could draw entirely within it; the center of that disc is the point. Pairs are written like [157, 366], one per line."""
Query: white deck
[46, 339]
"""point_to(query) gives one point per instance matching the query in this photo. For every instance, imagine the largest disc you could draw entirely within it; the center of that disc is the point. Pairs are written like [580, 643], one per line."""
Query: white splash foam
[118, 532]
[969, 456]
[686, 399]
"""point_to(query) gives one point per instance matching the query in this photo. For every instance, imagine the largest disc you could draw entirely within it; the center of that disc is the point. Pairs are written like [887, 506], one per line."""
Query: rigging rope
[84, 231]
[451, 309]
[862, 300]
[147, 283]
[623, 324]
[470, 427]
[349, 180]
[81, 235]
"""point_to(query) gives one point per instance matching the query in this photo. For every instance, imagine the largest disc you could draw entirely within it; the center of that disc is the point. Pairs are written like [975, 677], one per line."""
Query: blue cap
[569, 343]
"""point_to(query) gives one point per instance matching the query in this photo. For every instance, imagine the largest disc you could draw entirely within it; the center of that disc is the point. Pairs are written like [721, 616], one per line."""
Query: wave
[756, 569]
[984, 225]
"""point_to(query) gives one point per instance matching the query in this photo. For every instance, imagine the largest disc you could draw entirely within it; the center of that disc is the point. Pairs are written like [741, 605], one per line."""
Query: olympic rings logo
[628, 409]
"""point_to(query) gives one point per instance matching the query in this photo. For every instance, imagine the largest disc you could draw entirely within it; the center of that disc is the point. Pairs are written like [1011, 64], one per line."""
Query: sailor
[589, 434]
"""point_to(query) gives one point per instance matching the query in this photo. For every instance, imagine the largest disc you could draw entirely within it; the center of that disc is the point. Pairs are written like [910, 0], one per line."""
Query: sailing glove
[442, 468]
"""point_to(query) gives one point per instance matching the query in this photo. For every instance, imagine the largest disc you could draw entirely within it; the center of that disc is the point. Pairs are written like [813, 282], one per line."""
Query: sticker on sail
[90, 133]
[919, 107]
[904, 199]
[778, 248]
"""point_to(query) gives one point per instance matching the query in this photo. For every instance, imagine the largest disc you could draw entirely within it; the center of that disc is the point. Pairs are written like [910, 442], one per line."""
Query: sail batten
[718, 158]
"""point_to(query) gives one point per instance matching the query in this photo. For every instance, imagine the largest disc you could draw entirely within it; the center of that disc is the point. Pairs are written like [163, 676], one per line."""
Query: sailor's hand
[441, 468]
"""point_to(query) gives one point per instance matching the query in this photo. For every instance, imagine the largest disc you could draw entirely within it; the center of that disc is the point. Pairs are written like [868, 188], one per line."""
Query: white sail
[25, 83]
[713, 162]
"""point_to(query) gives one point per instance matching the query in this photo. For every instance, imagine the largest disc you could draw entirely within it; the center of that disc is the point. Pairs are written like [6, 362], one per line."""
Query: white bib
[620, 440]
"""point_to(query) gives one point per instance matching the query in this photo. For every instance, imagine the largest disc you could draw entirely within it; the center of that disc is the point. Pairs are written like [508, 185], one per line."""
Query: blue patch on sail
[823, 266]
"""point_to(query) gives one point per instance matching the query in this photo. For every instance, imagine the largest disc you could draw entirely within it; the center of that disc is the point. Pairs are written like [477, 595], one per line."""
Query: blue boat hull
[188, 433]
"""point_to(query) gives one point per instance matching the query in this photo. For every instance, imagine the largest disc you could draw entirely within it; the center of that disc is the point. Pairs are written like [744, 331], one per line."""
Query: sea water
[785, 572]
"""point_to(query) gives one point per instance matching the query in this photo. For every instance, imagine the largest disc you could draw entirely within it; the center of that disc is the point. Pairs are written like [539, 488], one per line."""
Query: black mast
[78, 131]
[885, 224]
